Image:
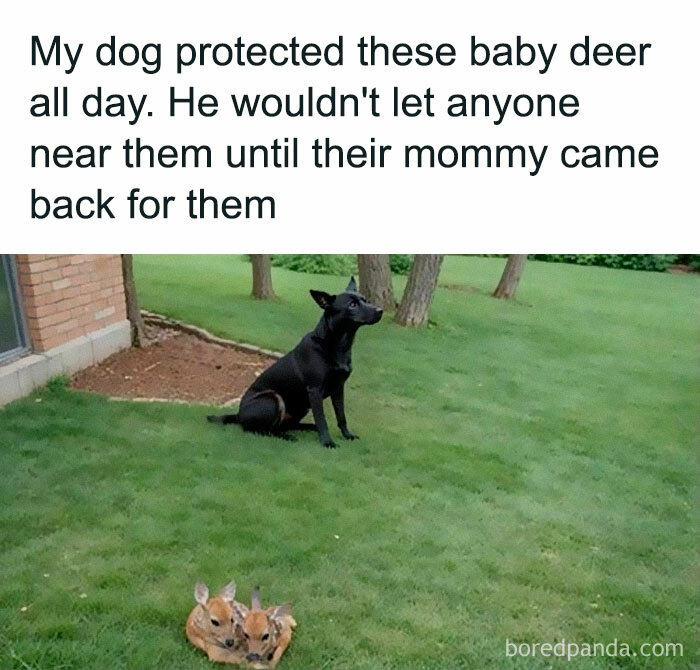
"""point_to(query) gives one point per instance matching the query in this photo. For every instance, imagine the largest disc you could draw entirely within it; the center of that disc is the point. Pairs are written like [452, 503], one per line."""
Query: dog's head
[216, 619]
[261, 628]
[349, 307]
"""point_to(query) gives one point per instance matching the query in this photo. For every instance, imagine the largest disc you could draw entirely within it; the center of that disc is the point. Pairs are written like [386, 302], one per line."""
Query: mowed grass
[527, 471]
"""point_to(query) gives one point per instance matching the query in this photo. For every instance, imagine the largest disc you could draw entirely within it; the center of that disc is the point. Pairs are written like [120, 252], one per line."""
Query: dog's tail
[225, 418]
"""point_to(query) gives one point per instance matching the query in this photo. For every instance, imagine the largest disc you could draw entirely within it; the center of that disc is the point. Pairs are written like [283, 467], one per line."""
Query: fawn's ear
[240, 611]
[279, 612]
[201, 593]
[352, 286]
[228, 593]
[322, 298]
[255, 598]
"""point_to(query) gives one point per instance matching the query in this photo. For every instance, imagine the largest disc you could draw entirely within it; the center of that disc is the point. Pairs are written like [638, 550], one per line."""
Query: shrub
[335, 264]
[401, 263]
[319, 264]
[346, 264]
[691, 260]
[649, 262]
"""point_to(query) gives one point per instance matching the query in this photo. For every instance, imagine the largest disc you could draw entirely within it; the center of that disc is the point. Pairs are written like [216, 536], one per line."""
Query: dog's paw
[350, 436]
[330, 445]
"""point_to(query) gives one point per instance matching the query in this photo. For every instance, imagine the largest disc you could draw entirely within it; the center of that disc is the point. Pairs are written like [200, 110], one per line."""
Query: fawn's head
[261, 627]
[217, 618]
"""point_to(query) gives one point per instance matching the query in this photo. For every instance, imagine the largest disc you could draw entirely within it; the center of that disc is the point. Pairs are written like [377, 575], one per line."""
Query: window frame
[8, 266]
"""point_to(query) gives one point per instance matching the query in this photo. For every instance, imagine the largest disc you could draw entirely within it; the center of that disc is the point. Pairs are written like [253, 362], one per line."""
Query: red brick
[49, 343]
[72, 292]
[27, 278]
[42, 266]
[51, 275]
[60, 284]
[73, 333]
[63, 293]
[34, 291]
[50, 319]
[42, 305]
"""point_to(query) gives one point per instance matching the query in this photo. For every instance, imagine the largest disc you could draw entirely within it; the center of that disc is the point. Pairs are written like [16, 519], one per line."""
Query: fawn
[213, 627]
[266, 632]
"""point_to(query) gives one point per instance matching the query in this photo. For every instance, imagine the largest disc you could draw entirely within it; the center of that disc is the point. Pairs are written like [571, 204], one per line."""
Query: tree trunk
[375, 280]
[420, 289]
[262, 277]
[133, 312]
[511, 276]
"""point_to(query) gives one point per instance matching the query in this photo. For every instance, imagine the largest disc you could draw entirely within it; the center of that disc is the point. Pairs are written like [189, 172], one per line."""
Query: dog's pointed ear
[322, 298]
[201, 593]
[352, 286]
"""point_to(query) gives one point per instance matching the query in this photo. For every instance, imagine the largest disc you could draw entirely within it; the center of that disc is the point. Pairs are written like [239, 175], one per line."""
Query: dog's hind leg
[261, 413]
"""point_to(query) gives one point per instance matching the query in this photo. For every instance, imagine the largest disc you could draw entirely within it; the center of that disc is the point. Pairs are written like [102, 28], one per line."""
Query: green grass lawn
[527, 471]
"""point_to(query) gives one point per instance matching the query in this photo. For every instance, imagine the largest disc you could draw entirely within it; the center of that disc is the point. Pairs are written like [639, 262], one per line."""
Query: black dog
[316, 368]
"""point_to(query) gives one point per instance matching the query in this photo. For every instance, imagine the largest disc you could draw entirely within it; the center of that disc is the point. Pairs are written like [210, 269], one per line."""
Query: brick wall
[69, 296]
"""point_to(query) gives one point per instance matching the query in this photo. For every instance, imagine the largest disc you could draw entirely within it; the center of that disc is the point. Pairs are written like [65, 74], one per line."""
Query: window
[13, 339]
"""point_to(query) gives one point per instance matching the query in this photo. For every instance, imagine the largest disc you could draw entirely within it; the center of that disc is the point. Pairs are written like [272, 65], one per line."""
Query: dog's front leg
[316, 401]
[338, 400]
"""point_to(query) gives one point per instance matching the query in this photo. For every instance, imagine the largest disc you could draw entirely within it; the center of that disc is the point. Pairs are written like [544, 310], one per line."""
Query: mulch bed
[175, 365]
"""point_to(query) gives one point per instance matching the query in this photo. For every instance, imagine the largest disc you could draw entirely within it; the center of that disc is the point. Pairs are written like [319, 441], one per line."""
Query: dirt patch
[178, 366]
